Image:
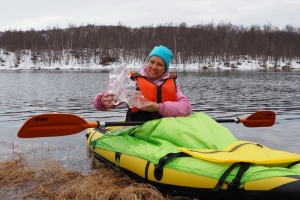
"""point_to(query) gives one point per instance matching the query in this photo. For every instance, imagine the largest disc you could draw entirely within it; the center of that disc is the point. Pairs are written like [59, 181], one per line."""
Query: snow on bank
[26, 61]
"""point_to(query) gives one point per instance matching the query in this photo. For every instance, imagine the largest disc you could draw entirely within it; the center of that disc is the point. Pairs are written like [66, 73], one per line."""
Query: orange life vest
[165, 92]
[159, 94]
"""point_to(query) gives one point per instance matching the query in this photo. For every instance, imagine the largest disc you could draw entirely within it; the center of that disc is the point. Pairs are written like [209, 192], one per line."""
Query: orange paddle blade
[264, 118]
[54, 124]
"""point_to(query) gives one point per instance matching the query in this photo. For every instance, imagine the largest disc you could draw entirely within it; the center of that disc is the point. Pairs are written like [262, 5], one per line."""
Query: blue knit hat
[164, 53]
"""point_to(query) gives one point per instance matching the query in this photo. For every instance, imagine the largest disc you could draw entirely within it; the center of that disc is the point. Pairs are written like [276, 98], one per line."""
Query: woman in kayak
[158, 86]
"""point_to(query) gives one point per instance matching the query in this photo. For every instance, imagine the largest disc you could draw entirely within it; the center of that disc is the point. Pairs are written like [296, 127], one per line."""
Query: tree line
[203, 43]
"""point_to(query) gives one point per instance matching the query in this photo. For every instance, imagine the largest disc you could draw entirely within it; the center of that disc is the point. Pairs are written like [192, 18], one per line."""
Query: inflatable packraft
[195, 156]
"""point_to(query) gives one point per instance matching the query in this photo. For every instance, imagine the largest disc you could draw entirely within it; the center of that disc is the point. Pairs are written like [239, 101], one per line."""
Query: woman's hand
[150, 107]
[107, 100]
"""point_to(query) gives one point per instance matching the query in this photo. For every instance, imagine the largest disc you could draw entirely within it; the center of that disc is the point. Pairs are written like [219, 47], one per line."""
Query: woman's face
[156, 67]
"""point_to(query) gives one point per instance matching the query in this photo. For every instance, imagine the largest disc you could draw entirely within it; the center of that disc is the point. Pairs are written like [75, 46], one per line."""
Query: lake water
[218, 93]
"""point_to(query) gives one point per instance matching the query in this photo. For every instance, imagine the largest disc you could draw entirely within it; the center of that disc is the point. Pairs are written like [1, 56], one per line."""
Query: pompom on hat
[164, 53]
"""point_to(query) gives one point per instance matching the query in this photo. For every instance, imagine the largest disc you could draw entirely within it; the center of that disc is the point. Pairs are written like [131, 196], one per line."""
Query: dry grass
[24, 178]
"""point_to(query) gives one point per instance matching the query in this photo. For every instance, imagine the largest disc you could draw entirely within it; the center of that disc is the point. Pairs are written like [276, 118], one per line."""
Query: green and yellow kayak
[197, 157]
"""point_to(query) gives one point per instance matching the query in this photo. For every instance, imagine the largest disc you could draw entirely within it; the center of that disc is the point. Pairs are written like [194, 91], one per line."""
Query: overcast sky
[42, 14]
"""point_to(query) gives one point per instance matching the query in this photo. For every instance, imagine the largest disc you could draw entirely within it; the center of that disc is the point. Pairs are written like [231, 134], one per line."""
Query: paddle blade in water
[53, 124]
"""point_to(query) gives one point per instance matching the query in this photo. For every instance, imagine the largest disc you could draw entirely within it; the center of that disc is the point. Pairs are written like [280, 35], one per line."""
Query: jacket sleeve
[97, 102]
[174, 109]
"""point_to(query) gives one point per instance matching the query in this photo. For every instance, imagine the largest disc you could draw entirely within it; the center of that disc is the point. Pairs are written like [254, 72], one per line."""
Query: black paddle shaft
[134, 123]
[236, 120]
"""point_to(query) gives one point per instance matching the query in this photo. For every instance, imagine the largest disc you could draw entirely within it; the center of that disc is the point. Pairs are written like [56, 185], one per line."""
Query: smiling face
[156, 67]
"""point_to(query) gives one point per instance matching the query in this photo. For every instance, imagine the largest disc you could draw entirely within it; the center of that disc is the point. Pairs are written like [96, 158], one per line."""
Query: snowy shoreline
[178, 67]
[27, 61]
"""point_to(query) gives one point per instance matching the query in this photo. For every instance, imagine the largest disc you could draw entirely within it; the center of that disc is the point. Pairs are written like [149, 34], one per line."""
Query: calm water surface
[224, 93]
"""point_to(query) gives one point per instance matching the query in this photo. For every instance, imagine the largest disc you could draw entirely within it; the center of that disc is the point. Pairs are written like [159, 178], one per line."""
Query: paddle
[60, 124]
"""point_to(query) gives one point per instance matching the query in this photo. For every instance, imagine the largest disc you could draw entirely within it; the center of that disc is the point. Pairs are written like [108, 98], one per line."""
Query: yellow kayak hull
[182, 183]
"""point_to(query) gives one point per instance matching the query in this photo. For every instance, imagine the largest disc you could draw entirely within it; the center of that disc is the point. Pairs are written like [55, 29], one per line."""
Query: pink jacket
[167, 109]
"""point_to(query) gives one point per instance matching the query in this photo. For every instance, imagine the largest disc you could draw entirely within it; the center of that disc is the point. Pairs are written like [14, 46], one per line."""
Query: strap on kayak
[234, 189]
[158, 171]
[292, 164]
[233, 186]
[147, 169]
[117, 159]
